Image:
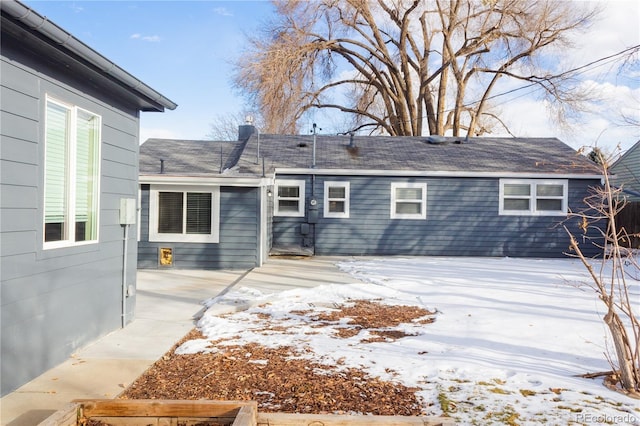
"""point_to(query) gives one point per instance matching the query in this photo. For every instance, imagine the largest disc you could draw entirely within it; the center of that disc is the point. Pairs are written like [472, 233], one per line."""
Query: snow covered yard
[509, 339]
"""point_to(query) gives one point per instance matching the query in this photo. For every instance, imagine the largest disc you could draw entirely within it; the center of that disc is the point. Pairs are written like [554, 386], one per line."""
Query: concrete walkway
[168, 301]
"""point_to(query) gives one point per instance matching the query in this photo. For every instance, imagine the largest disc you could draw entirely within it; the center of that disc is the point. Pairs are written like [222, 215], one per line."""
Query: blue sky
[183, 50]
[180, 48]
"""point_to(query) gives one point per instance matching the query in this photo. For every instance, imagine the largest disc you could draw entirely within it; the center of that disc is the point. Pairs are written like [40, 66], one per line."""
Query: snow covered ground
[509, 337]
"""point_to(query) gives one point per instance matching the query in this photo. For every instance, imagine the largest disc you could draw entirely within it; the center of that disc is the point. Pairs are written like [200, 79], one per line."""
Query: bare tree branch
[610, 283]
[414, 65]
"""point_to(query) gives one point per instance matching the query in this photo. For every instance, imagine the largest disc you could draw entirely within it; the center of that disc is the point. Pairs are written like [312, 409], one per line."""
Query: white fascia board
[418, 173]
[205, 181]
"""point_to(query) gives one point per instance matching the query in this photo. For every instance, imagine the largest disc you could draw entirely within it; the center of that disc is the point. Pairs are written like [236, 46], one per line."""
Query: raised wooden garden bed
[119, 412]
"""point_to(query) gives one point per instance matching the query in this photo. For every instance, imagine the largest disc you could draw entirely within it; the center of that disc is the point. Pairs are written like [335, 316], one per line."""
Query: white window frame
[301, 198]
[139, 212]
[328, 199]
[68, 239]
[394, 200]
[154, 212]
[533, 184]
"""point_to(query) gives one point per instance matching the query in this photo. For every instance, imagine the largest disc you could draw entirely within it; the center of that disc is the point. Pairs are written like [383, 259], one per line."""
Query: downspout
[313, 200]
[262, 225]
[124, 275]
[258, 148]
[127, 218]
[313, 196]
[313, 158]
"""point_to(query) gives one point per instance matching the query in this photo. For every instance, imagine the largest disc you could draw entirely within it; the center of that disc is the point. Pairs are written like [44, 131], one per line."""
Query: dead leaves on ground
[375, 317]
[283, 379]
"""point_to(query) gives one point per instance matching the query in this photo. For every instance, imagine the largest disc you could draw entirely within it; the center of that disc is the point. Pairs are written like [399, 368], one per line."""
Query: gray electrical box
[313, 214]
[127, 211]
[305, 229]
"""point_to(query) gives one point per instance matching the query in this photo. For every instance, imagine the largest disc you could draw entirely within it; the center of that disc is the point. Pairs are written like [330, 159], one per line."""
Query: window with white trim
[336, 199]
[71, 175]
[533, 197]
[408, 200]
[184, 214]
[289, 198]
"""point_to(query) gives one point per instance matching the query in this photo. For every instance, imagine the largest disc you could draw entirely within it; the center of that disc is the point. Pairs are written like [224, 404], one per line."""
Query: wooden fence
[629, 219]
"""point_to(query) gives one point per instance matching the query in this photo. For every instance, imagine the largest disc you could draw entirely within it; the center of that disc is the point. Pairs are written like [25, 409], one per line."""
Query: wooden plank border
[66, 416]
[282, 419]
[236, 413]
[162, 408]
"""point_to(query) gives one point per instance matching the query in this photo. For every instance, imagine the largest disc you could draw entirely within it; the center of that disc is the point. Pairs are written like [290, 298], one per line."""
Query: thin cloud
[223, 11]
[152, 39]
[76, 8]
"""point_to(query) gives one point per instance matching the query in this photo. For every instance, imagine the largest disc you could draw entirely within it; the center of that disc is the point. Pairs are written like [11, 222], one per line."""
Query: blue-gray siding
[238, 243]
[55, 301]
[462, 220]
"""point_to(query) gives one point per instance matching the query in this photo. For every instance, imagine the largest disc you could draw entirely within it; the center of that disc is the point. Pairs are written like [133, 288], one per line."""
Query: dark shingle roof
[370, 153]
[525, 155]
[187, 157]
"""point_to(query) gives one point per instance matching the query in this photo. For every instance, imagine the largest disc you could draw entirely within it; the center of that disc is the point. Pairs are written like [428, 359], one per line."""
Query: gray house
[627, 173]
[342, 195]
[196, 213]
[69, 184]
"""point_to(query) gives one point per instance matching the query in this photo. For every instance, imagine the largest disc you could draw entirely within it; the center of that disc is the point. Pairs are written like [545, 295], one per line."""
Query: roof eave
[62, 40]
[223, 180]
[439, 173]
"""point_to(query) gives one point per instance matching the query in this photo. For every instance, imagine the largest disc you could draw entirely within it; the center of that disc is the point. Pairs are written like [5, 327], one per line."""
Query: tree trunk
[628, 375]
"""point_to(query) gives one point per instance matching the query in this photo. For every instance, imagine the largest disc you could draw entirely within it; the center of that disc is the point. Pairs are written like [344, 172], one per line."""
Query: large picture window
[533, 197]
[336, 199]
[408, 200]
[184, 214]
[72, 175]
[289, 198]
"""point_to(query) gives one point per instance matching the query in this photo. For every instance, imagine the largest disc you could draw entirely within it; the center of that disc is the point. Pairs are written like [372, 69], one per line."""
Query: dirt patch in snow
[283, 379]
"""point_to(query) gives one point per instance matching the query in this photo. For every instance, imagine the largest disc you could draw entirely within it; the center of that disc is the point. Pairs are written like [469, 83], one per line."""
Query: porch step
[291, 251]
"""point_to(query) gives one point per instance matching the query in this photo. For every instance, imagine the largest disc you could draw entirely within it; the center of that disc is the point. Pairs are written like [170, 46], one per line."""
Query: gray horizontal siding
[55, 301]
[462, 220]
[18, 127]
[22, 104]
[238, 243]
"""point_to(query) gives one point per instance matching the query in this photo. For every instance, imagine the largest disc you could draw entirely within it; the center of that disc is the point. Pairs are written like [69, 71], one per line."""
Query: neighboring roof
[544, 156]
[76, 56]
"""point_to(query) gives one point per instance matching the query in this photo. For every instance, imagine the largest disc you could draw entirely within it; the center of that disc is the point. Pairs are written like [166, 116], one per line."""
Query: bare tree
[610, 281]
[631, 66]
[224, 127]
[404, 67]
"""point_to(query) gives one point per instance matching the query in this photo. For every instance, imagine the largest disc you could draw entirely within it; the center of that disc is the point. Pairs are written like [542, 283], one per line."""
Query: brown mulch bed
[282, 379]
